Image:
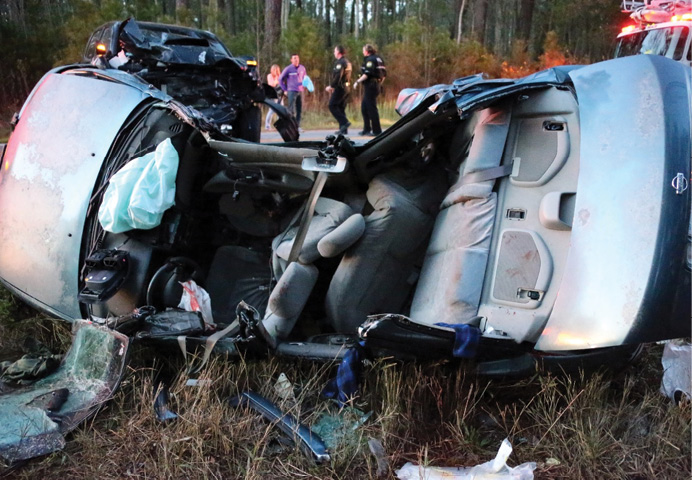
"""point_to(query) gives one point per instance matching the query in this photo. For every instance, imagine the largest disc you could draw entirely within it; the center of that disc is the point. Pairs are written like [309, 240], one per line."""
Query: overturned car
[532, 223]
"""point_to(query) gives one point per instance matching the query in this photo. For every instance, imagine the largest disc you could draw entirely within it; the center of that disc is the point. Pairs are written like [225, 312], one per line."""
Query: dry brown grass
[596, 426]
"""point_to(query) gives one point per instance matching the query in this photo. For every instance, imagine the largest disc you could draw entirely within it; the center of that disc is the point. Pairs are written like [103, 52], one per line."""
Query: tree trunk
[168, 8]
[376, 6]
[328, 20]
[459, 21]
[352, 20]
[272, 24]
[356, 19]
[339, 17]
[228, 9]
[480, 12]
[526, 18]
[365, 15]
[285, 10]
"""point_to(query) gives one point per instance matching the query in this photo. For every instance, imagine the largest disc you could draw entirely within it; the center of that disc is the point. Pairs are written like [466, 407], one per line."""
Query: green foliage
[304, 36]
[415, 37]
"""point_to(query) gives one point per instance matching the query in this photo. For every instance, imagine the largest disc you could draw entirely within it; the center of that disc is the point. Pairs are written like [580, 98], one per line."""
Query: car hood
[163, 46]
[56, 151]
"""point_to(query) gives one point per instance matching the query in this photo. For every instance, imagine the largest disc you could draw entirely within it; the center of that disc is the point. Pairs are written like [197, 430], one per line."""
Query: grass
[597, 426]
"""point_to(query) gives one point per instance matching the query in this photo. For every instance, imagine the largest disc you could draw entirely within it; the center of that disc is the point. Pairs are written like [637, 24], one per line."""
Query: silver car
[520, 224]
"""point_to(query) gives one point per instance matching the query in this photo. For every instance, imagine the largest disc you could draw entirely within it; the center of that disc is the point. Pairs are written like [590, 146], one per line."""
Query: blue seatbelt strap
[466, 339]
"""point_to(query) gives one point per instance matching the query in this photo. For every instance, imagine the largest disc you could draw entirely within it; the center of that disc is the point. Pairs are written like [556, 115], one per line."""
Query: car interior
[432, 236]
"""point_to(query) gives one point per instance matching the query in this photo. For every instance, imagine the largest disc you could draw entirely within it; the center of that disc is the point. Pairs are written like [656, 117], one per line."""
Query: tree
[272, 25]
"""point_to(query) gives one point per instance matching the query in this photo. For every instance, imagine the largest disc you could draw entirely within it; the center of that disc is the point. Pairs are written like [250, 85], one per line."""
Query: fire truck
[659, 27]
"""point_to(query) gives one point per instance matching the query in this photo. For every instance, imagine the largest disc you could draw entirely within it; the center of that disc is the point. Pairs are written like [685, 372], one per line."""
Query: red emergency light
[685, 17]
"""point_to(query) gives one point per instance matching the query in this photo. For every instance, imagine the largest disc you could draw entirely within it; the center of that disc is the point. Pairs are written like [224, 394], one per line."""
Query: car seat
[333, 228]
[376, 275]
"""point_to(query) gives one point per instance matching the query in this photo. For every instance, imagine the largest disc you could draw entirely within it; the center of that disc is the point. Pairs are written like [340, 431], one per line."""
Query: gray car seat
[333, 228]
[376, 275]
[451, 281]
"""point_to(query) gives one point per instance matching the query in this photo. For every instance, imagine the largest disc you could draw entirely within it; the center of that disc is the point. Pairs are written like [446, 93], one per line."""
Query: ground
[595, 425]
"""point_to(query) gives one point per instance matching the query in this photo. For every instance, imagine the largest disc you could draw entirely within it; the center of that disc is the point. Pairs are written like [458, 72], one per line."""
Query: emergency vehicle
[660, 27]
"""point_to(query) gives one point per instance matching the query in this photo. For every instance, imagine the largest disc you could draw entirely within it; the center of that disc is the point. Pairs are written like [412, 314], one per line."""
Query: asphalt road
[272, 136]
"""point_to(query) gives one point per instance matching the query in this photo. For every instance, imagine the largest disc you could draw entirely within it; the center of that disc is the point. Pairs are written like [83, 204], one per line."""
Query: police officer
[339, 87]
[374, 71]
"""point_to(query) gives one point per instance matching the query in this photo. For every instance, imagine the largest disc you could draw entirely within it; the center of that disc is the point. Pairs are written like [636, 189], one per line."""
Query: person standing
[291, 82]
[373, 72]
[273, 81]
[339, 87]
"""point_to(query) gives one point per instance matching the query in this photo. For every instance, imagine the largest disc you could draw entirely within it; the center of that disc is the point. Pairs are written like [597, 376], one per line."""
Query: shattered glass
[36, 418]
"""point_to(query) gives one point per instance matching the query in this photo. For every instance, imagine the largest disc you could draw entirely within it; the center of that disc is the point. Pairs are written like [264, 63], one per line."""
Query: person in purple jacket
[291, 82]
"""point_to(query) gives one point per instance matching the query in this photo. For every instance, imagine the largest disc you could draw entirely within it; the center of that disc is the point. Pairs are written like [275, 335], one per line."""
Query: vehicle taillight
[628, 28]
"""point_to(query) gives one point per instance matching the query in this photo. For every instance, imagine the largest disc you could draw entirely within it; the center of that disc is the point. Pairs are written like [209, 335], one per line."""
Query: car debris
[194, 67]
[377, 449]
[37, 417]
[306, 439]
[38, 362]
[338, 428]
[495, 469]
[677, 370]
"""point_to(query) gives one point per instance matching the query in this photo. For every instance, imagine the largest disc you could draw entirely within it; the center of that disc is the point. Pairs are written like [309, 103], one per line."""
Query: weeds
[590, 426]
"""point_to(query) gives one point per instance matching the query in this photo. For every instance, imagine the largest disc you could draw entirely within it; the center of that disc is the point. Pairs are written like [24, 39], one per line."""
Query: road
[272, 136]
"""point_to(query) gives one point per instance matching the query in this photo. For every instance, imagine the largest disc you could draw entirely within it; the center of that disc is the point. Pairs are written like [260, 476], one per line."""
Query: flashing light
[628, 28]
[252, 63]
[100, 48]
[685, 17]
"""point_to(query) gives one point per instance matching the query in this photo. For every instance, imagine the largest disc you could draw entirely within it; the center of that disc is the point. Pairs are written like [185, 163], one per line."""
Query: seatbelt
[485, 175]
[208, 347]
[305, 219]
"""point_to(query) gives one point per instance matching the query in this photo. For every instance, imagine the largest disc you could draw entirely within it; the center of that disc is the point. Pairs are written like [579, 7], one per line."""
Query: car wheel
[248, 125]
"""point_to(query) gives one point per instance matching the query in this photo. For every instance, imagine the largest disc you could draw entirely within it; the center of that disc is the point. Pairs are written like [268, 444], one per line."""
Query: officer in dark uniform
[374, 71]
[339, 87]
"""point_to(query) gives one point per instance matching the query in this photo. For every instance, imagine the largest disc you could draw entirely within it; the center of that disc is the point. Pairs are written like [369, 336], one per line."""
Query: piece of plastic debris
[677, 370]
[307, 83]
[163, 413]
[495, 469]
[377, 449]
[552, 462]
[284, 388]
[196, 299]
[197, 382]
[308, 440]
